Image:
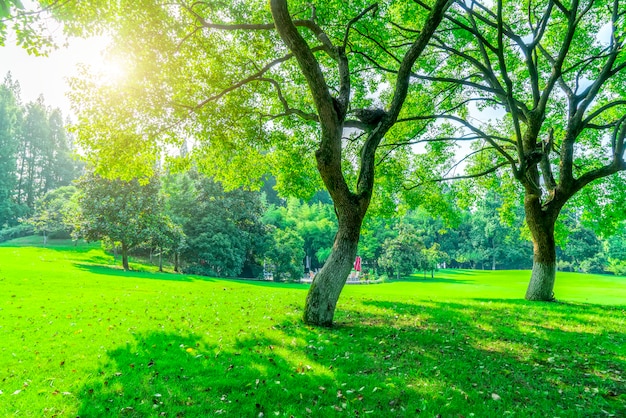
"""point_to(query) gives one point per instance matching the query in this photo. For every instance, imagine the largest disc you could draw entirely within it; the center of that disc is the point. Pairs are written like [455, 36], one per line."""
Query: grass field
[80, 337]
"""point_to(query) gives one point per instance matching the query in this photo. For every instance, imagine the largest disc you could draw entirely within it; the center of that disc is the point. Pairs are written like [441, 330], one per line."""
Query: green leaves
[223, 229]
[6, 7]
[117, 210]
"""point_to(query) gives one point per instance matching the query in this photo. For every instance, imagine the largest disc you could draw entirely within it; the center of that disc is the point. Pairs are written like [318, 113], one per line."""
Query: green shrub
[18, 231]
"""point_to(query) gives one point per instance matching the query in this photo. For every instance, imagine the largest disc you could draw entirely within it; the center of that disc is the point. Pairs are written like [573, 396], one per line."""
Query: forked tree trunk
[331, 113]
[125, 257]
[323, 295]
[541, 225]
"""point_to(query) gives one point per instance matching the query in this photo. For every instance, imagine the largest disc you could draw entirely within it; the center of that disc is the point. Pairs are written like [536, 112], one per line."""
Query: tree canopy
[35, 153]
[551, 76]
[123, 212]
[260, 89]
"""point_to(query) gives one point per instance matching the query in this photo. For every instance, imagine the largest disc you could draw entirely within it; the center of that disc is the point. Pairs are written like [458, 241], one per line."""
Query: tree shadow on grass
[164, 374]
[272, 284]
[383, 358]
[109, 270]
[459, 272]
[439, 280]
[573, 356]
[559, 305]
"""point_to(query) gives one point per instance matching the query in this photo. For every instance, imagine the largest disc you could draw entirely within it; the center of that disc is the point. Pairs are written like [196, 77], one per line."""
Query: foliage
[223, 229]
[121, 211]
[44, 159]
[35, 153]
[18, 231]
[286, 255]
[375, 231]
[28, 24]
[432, 258]
[402, 254]
[167, 237]
[616, 266]
[10, 126]
[315, 223]
[53, 211]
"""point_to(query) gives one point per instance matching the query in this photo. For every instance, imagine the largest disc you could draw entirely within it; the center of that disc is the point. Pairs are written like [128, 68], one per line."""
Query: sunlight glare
[105, 65]
[111, 70]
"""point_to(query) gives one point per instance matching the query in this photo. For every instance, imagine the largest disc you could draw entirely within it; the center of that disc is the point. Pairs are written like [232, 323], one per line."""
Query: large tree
[124, 212]
[549, 77]
[261, 89]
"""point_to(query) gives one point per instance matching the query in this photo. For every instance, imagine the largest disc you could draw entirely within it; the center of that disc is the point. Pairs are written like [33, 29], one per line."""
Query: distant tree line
[35, 153]
[191, 222]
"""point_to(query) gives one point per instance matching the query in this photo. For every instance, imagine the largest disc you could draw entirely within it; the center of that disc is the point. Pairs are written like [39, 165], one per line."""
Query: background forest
[192, 224]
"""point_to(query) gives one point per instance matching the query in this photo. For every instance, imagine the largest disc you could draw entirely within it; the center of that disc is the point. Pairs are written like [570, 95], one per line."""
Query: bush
[18, 231]
[617, 267]
[563, 265]
[383, 278]
[593, 265]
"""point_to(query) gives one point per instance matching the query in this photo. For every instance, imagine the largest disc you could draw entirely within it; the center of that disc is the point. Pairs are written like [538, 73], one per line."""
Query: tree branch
[355, 19]
[245, 81]
[288, 110]
[467, 176]
[365, 180]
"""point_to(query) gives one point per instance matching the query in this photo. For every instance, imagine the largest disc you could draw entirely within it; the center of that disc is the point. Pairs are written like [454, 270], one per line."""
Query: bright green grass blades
[79, 337]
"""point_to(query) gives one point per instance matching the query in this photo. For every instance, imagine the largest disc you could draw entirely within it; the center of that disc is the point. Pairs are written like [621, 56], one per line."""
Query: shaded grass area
[512, 284]
[76, 340]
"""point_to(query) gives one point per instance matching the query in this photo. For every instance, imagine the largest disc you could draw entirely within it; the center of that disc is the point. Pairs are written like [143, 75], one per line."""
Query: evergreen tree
[9, 136]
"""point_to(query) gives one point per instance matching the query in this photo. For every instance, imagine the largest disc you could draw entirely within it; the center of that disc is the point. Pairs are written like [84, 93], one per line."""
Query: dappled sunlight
[520, 351]
[142, 273]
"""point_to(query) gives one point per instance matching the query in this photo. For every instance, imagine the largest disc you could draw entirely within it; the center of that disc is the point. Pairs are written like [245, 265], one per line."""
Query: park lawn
[80, 337]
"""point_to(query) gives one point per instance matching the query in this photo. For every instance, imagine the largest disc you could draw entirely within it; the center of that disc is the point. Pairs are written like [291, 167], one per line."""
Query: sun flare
[109, 70]
[103, 64]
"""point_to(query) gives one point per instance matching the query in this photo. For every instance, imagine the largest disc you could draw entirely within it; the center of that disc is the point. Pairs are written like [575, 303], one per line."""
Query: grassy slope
[80, 337]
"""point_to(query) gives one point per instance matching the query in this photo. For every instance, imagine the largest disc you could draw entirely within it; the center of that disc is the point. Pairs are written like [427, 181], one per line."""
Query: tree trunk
[176, 261]
[161, 260]
[125, 257]
[322, 298]
[541, 225]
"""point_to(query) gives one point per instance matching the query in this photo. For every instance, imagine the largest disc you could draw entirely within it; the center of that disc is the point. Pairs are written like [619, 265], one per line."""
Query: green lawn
[80, 337]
